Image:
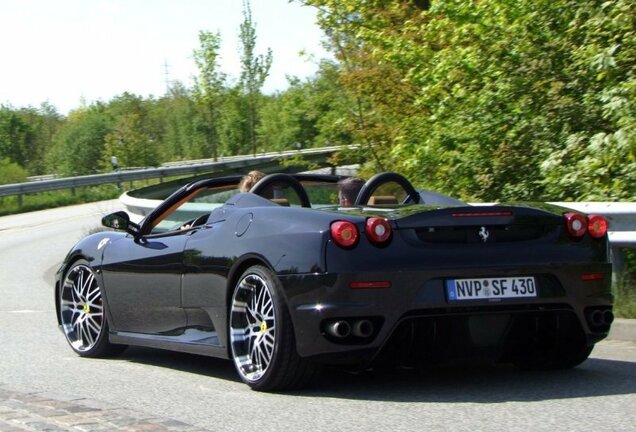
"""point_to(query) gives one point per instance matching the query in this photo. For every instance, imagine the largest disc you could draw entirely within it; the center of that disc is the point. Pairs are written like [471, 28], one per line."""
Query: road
[205, 394]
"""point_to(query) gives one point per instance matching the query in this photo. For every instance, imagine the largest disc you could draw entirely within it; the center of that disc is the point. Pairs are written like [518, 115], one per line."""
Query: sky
[69, 52]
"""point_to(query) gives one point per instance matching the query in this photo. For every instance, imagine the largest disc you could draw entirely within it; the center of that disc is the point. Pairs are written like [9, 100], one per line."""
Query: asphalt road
[206, 394]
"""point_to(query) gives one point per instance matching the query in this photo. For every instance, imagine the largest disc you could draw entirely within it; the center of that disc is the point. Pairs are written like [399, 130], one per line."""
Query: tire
[262, 342]
[82, 313]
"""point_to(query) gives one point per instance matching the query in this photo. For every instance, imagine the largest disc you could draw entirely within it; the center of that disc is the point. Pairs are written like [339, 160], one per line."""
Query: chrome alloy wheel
[252, 327]
[81, 308]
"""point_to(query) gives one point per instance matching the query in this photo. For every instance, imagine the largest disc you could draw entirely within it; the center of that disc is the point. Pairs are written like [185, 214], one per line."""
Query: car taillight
[344, 234]
[576, 224]
[596, 225]
[378, 230]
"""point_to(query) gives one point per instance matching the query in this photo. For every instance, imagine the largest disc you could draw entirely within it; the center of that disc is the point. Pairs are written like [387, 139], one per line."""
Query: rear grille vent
[479, 234]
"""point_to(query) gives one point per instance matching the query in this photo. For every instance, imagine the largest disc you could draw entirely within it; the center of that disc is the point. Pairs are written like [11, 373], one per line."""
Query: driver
[348, 190]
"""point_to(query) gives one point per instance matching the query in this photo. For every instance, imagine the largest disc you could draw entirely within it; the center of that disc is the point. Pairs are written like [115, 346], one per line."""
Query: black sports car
[281, 279]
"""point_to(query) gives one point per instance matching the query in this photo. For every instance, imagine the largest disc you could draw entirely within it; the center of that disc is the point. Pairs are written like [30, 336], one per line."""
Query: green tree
[132, 137]
[254, 71]
[494, 100]
[15, 135]
[178, 118]
[78, 146]
[208, 87]
[310, 113]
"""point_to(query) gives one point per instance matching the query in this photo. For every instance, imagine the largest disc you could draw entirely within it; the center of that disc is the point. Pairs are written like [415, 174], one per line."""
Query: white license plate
[491, 288]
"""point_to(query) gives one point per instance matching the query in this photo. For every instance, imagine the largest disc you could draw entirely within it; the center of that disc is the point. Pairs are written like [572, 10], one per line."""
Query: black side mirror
[121, 221]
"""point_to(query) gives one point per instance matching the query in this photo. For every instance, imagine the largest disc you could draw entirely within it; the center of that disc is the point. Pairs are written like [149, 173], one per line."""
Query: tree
[254, 71]
[494, 100]
[310, 113]
[178, 118]
[208, 86]
[78, 147]
[132, 137]
[15, 134]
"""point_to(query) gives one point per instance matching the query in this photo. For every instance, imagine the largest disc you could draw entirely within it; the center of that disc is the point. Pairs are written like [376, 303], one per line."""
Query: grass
[46, 200]
[625, 287]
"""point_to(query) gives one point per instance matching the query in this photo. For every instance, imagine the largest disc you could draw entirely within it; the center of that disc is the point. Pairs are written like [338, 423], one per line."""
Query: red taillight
[592, 276]
[482, 214]
[596, 225]
[369, 284]
[344, 234]
[378, 230]
[576, 224]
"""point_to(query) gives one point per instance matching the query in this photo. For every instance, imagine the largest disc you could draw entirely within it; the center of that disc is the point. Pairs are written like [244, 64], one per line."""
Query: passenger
[249, 180]
[349, 189]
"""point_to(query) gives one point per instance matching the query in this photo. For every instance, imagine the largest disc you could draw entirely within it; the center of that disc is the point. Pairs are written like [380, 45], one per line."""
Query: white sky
[63, 51]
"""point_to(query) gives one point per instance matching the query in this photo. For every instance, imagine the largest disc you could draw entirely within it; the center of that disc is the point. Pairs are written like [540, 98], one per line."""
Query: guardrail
[317, 155]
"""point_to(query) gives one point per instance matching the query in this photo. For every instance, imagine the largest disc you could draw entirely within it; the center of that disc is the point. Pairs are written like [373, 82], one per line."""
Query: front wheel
[82, 313]
[262, 338]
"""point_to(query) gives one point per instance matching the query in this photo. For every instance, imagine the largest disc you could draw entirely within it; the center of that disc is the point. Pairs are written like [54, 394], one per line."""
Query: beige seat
[378, 200]
[281, 201]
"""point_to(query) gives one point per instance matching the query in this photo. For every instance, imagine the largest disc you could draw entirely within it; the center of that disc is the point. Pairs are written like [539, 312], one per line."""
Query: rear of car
[421, 284]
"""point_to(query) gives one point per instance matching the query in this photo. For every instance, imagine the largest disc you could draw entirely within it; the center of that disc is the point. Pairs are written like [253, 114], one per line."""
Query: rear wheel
[261, 335]
[82, 313]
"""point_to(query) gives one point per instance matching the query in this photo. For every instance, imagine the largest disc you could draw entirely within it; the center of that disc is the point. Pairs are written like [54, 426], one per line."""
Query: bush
[11, 172]
[625, 287]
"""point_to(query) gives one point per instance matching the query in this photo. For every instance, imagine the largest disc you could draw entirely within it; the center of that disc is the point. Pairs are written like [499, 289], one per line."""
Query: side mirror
[121, 221]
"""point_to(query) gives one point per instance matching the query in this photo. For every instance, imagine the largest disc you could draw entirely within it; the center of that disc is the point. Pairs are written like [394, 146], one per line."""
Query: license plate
[491, 288]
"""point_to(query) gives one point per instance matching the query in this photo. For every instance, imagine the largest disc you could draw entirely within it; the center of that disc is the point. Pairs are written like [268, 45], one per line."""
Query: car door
[142, 281]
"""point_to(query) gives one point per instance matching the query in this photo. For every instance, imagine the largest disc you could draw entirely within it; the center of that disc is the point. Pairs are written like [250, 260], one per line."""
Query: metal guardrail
[173, 170]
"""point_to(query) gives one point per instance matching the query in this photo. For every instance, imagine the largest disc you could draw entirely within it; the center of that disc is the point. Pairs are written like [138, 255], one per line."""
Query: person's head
[249, 180]
[348, 190]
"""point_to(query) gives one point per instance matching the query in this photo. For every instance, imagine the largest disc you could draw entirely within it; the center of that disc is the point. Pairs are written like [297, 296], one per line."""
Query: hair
[349, 190]
[249, 180]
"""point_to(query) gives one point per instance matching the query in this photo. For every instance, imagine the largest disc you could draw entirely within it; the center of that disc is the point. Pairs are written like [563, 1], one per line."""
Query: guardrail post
[19, 201]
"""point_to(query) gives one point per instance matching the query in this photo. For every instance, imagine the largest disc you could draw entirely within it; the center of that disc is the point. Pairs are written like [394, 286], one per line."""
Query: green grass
[625, 287]
[46, 200]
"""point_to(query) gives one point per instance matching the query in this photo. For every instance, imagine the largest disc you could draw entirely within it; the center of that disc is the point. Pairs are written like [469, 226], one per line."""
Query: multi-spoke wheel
[82, 313]
[261, 335]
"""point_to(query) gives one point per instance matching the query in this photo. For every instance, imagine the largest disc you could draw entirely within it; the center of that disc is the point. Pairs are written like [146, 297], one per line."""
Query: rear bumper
[564, 305]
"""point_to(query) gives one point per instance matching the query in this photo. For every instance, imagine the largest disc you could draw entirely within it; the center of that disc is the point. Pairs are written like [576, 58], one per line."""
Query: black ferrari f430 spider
[282, 280]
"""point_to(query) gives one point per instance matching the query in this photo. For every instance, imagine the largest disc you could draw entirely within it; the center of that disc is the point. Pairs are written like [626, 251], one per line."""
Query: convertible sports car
[281, 279]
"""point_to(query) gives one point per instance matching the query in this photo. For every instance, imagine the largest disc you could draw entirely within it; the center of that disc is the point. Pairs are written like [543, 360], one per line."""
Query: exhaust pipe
[362, 328]
[597, 318]
[608, 317]
[339, 329]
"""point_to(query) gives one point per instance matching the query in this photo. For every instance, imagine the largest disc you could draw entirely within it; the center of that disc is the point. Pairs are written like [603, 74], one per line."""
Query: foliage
[208, 87]
[78, 147]
[254, 71]
[309, 113]
[11, 172]
[625, 287]
[131, 136]
[45, 200]
[494, 99]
